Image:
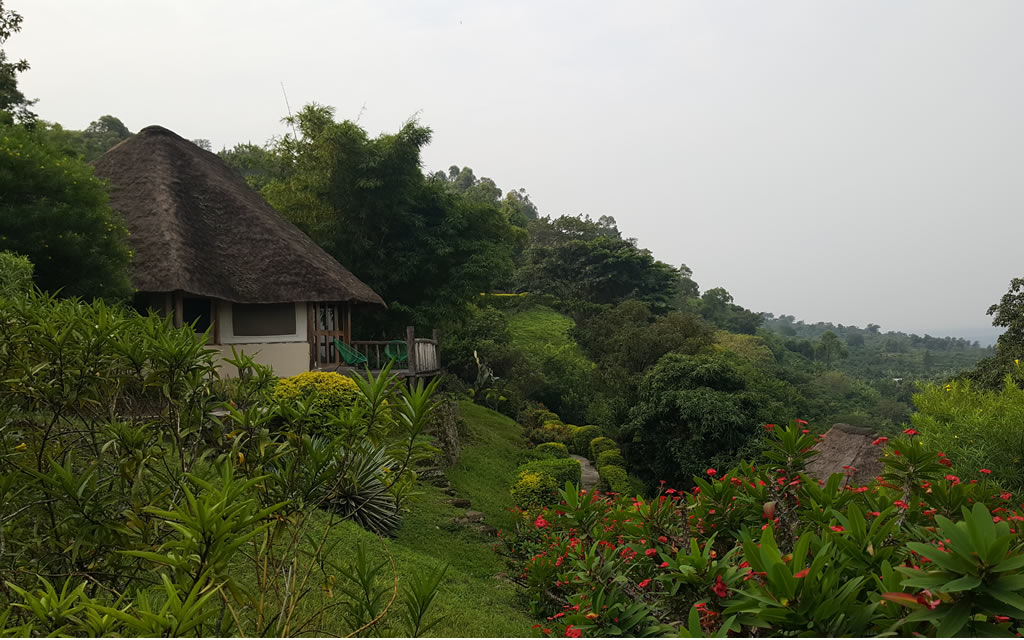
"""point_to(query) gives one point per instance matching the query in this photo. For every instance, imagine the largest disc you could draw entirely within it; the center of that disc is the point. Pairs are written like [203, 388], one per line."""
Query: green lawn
[476, 601]
[540, 326]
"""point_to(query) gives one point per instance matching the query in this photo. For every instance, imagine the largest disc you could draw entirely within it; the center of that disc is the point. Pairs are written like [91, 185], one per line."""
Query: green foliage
[107, 435]
[716, 306]
[767, 551]
[610, 457]
[54, 211]
[599, 445]
[977, 429]
[426, 250]
[420, 592]
[556, 449]
[1009, 314]
[536, 482]
[12, 100]
[532, 488]
[615, 479]
[15, 274]
[540, 416]
[581, 437]
[588, 263]
[551, 432]
[694, 412]
[325, 391]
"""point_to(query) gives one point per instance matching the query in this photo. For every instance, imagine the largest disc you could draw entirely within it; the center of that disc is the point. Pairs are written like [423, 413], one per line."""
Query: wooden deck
[423, 357]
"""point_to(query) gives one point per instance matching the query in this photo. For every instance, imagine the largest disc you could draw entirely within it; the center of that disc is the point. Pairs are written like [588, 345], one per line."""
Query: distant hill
[985, 336]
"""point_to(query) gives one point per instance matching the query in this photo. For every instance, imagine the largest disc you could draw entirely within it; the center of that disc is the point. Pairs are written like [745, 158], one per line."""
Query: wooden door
[325, 322]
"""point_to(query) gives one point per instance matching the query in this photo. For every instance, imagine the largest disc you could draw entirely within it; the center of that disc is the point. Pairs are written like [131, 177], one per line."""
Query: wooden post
[314, 348]
[215, 319]
[410, 342]
[348, 323]
[179, 312]
[436, 335]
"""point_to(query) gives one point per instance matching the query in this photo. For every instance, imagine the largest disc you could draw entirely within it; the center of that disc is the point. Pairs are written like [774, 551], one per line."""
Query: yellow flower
[21, 447]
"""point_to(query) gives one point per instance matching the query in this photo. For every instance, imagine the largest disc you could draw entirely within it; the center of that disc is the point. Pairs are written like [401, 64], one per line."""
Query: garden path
[588, 474]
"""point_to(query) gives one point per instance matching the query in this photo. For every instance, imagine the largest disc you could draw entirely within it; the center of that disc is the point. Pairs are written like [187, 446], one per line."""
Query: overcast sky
[851, 162]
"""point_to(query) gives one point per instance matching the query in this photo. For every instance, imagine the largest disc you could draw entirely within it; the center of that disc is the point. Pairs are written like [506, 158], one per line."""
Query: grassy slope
[476, 603]
[538, 327]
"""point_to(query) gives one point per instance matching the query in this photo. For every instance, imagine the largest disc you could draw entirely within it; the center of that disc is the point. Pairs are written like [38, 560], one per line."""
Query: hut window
[198, 310]
[263, 319]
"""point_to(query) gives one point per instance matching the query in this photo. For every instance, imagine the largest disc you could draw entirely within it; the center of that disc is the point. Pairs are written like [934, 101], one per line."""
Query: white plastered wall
[287, 354]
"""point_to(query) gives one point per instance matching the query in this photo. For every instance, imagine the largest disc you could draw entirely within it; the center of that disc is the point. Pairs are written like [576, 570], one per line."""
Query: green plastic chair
[348, 354]
[397, 350]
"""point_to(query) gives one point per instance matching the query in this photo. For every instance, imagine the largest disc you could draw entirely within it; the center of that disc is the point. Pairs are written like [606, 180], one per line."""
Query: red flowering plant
[768, 549]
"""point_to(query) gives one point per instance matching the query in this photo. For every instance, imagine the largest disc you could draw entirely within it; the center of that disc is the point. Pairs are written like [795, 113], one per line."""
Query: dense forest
[112, 458]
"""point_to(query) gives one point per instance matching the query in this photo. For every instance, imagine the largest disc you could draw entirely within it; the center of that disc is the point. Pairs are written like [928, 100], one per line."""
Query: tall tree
[54, 211]
[425, 249]
[588, 264]
[12, 100]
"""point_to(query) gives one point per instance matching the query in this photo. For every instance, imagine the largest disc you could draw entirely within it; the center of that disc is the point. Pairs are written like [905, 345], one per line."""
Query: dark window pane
[197, 310]
[263, 319]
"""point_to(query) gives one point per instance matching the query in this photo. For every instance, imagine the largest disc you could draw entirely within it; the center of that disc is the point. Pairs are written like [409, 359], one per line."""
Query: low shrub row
[537, 482]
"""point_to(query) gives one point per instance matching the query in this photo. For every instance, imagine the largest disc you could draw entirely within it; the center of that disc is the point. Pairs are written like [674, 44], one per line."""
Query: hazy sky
[846, 161]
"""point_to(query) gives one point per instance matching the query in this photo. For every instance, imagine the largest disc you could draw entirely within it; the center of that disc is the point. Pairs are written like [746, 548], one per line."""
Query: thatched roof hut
[210, 251]
[847, 447]
[197, 227]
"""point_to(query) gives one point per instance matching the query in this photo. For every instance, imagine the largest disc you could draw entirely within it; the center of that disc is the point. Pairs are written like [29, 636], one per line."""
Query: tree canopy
[54, 211]
[426, 249]
[12, 100]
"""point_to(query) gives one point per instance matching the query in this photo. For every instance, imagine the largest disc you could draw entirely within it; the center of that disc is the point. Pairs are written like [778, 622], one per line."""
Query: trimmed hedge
[533, 488]
[330, 392]
[556, 449]
[599, 445]
[580, 437]
[532, 455]
[610, 457]
[551, 431]
[615, 479]
[536, 482]
[538, 417]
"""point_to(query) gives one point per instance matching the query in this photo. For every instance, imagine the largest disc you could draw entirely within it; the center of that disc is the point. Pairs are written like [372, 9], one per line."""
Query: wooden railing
[424, 353]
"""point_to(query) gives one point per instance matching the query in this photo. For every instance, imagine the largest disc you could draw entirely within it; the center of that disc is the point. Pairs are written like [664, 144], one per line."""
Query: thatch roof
[847, 446]
[196, 226]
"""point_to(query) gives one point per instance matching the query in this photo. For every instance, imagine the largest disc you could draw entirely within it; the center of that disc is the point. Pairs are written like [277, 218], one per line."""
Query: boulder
[844, 446]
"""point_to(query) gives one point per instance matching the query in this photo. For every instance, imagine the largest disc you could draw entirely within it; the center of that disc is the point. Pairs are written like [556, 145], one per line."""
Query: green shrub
[15, 274]
[539, 417]
[563, 470]
[580, 437]
[533, 488]
[537, 481]
[615, 479]
[549, 432]
[599, 445]
[330, 392]
[978, 429]
[532, 455]
[557, 449]
[610, 457]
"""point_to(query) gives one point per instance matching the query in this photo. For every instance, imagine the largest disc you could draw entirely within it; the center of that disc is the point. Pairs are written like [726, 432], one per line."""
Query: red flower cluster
[878, 441]
[720, 589]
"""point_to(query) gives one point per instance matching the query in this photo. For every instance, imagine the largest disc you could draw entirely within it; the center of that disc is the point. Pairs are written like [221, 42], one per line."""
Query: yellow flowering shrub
[533, 488]
[537, 481]
[330, 392]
